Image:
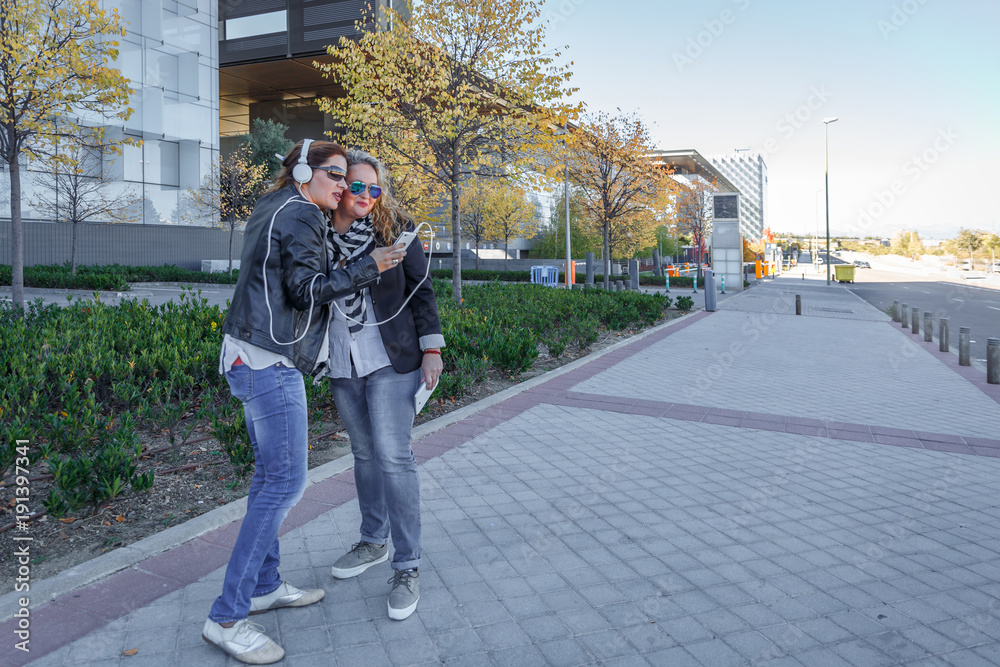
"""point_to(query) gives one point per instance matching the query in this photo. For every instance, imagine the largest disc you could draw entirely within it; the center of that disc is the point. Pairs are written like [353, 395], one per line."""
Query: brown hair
[388, 216]
[319, 152]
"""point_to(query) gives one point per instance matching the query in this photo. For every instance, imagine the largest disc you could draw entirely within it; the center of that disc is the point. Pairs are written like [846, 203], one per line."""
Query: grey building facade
[748, 171]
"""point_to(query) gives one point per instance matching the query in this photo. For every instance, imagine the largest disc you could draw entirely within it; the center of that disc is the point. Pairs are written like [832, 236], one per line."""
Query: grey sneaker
[404, 594]
[361, 557]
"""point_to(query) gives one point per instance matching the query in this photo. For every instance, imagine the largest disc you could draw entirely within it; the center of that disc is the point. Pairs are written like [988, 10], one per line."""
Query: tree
[992, 243]
[508, 215]
[473, 205]
[666, 239]
[752, 250]
[631, 233]
[230, 190]
[907, 243]
[462, 88]
[968, 240]
[55, 64]
[420, 195]
[78, 191]
[694, 213]
[663, 226]
[267, 138]
[550, 242]
[607, 162]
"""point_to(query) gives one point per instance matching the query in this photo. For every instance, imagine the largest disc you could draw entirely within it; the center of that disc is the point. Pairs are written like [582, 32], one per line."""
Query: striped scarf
[354, 243]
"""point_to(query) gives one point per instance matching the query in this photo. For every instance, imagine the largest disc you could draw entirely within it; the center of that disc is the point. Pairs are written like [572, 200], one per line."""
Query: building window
[258, 24]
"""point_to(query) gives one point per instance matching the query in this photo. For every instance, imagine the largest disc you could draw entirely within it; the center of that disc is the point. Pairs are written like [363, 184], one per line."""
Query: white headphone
[302, 172]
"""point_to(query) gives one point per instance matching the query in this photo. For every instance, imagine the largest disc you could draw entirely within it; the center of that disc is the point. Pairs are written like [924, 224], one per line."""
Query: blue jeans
[274, 402]
[378, 412]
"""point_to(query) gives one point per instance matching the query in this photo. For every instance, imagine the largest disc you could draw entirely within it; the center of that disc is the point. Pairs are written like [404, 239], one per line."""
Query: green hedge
[116, 278]
[480, 274]
[112, 278]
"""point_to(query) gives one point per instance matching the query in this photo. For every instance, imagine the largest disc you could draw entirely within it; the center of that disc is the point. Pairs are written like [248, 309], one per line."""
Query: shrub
[111, 278]
[484, 275]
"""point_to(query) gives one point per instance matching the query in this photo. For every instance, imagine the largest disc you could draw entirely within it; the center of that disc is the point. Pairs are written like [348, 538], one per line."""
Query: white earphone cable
[427, 272]
[267, 255]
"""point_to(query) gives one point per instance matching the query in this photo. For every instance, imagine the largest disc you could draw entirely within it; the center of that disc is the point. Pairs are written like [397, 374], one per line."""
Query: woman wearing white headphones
[276, 331]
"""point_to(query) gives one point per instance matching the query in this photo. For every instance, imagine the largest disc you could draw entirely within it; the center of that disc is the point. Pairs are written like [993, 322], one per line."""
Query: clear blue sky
[915, 85]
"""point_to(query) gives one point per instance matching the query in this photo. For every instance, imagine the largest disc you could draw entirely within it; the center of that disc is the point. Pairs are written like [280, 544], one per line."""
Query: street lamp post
[826, 142]
[570, 279]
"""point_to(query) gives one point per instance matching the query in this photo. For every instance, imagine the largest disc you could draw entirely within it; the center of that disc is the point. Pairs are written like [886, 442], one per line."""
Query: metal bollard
[895, 311]
[928, 328]
[915, 321]
[905, 317]
[798, 304]
[964, 357]
[993, 360]
[943, 335]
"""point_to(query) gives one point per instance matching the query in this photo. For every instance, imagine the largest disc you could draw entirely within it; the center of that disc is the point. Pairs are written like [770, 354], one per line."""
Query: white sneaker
[285, 595]
[245, 641]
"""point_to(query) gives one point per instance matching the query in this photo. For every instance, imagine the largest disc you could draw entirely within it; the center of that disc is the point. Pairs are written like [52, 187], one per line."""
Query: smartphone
[406, 238]
[420, 398]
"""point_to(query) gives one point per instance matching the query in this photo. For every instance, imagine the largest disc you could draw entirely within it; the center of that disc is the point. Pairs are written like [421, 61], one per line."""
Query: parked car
[966, 266]
[995, 267]
[861, 264]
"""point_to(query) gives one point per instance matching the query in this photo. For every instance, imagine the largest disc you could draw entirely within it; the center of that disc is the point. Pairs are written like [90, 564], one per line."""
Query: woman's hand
[386, 258]
[431, 367]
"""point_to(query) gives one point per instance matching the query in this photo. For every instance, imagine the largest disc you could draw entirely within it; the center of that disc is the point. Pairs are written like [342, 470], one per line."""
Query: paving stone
[457, 643]
[860, 652]
[583, 621]
[714, 652]
[485, 613]
[564, 653]
[520, 656]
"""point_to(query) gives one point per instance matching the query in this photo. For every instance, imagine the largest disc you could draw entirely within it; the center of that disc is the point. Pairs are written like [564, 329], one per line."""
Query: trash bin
[844, 273]
[710, 298]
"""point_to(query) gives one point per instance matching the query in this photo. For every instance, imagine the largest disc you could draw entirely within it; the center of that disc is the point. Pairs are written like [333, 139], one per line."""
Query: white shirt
[364, 348]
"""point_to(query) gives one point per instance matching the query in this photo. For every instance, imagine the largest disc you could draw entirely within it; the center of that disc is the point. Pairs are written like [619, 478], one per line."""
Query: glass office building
[170, 54]
[748, 171]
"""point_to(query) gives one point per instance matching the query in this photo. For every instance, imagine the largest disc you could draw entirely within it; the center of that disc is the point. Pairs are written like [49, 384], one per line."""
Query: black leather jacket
[418, 321]
[299, 278]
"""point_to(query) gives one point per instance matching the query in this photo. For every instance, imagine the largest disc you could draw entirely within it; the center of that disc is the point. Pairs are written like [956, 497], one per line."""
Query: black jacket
[300, 281]
[401, 335]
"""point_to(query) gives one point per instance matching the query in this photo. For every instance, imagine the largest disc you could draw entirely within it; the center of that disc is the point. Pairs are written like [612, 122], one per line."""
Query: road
[963, 305]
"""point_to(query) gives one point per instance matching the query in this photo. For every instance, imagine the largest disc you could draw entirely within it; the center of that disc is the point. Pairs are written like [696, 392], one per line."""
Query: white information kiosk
[727, 243]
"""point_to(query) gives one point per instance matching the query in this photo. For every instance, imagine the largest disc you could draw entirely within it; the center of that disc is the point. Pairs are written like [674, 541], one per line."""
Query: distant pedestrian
[385, 342]
[275, 330]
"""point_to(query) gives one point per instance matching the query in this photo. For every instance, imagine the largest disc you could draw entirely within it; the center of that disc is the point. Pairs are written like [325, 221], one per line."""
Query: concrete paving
[741, 487]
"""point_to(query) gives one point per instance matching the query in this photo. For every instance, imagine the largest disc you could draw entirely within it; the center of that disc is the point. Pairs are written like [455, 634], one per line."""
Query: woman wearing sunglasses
[382, 348]
[276, 330]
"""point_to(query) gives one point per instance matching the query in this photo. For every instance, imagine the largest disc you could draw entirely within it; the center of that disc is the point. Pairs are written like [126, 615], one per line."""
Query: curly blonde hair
[388, 216]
